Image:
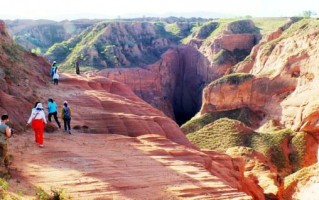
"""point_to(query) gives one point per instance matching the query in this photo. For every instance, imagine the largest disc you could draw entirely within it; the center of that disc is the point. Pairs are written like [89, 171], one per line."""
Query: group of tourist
[37, 119]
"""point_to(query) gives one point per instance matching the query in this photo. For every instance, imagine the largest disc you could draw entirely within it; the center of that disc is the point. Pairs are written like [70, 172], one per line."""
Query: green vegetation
[244, 115]
[299, 177]
[297, 27]
[4, 185]
[220, 135]
[56, 194]
[173, 28]
[225, 133]
[269, 24]
[222, 57]
[233, 79]
[308, 13]
[42, 194]
[299, 143]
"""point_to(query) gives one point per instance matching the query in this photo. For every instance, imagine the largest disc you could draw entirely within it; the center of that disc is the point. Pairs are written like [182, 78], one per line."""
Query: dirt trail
[111, 166]
[96, 166]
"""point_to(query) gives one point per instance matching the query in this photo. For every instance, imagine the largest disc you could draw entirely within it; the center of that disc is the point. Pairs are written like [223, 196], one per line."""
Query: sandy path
[94, 166]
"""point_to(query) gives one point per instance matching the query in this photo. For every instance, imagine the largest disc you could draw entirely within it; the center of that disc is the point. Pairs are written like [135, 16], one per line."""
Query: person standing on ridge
[66, 116]
[77, 66]
[52, 110]
[37, 120]
[5, 133]
[53, 69]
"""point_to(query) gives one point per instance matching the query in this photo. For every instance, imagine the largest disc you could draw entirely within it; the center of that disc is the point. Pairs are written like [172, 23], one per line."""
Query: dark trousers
[55, 115]
[67, 124]
[4, 160]
[55, 81]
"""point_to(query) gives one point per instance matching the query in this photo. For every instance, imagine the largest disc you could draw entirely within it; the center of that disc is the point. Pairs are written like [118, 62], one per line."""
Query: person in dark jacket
[66, 116]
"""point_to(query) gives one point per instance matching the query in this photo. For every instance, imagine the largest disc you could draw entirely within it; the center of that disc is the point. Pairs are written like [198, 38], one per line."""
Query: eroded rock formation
[173, 84]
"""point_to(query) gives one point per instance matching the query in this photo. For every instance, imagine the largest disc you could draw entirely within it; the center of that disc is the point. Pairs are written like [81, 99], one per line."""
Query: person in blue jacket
[52, 109]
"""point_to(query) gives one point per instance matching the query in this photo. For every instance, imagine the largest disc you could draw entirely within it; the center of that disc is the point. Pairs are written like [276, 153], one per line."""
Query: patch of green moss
[245, 115]
[219, 135]
[173, 28]
[222, 57]
[233, 79]
[197, 123]
[299, 144]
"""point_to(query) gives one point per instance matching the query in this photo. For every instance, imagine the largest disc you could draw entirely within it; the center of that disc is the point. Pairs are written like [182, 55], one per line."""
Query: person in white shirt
[37, 120]
[56, 77]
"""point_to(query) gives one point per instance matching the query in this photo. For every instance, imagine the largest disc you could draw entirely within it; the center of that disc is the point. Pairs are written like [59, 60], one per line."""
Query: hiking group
[37, 118]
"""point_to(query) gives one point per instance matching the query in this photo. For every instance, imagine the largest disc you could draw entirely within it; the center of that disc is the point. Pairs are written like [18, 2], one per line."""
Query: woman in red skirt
[37, 120]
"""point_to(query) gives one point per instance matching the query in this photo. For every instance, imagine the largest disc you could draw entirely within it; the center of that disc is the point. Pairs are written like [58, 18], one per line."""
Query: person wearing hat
[37, 120]
[66, 116]
[5, 133]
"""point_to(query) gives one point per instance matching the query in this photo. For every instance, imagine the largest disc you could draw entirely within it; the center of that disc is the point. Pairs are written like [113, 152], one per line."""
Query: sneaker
[41, 145]
[70, 132]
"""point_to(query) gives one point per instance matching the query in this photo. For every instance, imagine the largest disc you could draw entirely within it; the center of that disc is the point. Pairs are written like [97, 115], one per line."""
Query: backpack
[66, 112]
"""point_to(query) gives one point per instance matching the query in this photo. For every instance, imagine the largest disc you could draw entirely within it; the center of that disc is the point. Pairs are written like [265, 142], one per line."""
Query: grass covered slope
[285, 148]
[245, 115]
[115, 44]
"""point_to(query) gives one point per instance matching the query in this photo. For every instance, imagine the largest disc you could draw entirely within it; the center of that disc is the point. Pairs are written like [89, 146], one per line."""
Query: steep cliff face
[174, 84]
[225, 43]
[289, 56]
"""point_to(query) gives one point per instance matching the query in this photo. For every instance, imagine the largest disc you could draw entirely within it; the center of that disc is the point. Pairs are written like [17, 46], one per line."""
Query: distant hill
[39, 35]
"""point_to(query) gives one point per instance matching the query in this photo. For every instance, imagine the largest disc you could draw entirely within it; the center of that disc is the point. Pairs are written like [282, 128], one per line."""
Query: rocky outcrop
[302, 184]
[258, 168]
[225, 43]
[289, 55]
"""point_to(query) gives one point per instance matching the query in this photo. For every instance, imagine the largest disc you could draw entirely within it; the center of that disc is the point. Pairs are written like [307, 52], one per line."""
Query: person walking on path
[5, 133]
[56, 77]
[52, 110]
[37, 120]
[52, 70]
[66, 116]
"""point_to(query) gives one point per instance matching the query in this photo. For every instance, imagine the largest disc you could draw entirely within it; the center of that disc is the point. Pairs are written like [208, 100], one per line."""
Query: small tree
[308, 13]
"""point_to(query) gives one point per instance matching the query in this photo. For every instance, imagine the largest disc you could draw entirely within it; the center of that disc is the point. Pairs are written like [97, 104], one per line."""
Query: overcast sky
[74, 9]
